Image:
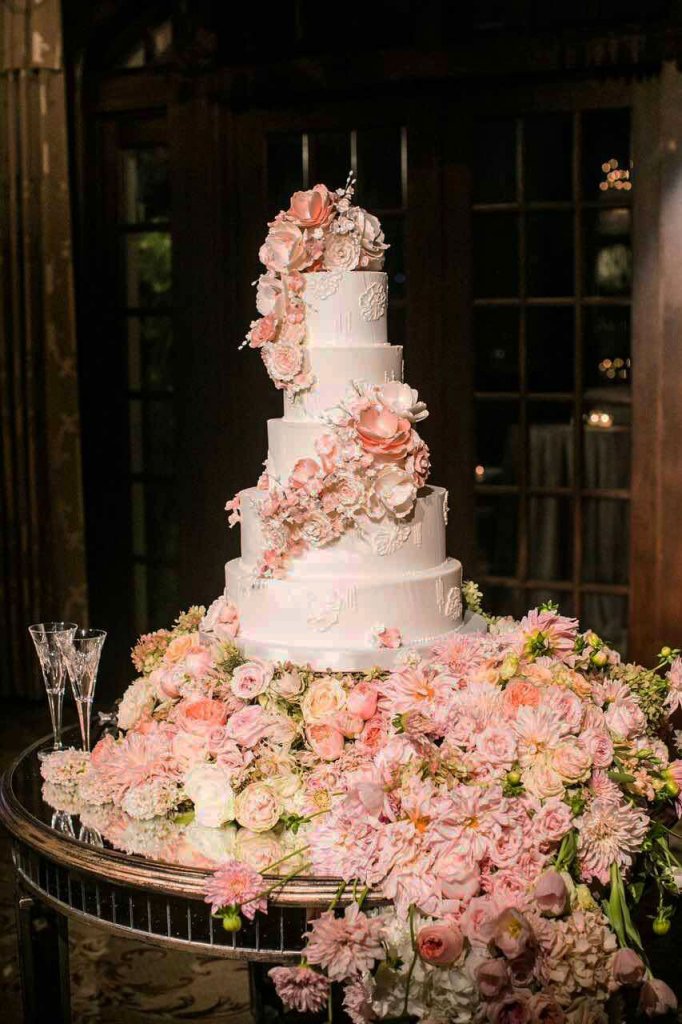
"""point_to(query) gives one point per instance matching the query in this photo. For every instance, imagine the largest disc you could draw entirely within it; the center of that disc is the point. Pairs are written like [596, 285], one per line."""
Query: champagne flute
[47, 639]
[82, 651]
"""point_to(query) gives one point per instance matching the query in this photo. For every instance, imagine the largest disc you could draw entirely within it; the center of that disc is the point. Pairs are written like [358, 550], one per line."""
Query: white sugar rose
[270, 296]
[317, 529]
[371, 238]
[341, 252]
[251, 679]
[402, 400]
[208, 787]
[258, 807]
[283, 360]
[396, 490]
[284, 249]
[221, 620]
[323, 699]
[288, 685]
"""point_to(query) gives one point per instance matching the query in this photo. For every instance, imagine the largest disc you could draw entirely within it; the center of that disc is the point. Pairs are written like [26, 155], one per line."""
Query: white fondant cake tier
[289, 441]
[345, 307]
[371, 549]
[335, 368]
[329, 613]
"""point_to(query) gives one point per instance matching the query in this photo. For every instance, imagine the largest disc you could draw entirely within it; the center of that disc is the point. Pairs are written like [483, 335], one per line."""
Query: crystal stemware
[82, 651]
[48, 638]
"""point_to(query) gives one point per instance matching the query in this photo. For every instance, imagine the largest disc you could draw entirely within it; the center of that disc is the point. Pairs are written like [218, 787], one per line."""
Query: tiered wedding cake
[343, 558]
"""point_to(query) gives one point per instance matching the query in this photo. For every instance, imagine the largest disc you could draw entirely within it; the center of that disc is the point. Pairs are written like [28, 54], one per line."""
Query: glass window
[497, 442]
[496, 255]
[495, 160]
[148, 269]
[550, 254]
[550, 348]
[146, 187]
[496, 348]
[548, 157]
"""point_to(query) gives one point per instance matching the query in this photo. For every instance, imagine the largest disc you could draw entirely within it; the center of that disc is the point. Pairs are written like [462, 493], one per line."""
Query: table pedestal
[43, 939]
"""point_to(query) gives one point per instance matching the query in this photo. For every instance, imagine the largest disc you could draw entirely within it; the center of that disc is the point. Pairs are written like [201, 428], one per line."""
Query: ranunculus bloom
[284, 248]
[325, 740]
[396, 490]
[251, 679]
[200, 715]
[439, 943]
[383, 434]
[627, 967]
[492, 977]
[657, 998]
[258, 807]
[551, 894]
[511, 933]
[311, 209]
[362, 700]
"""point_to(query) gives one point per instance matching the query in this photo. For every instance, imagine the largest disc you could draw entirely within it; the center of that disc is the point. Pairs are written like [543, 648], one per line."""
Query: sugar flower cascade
[509, 798]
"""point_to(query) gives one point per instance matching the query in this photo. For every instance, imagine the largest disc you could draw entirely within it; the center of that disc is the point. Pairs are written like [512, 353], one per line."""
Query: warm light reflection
[479, 472]
[598, 418]
[616, 177]
[615, 369]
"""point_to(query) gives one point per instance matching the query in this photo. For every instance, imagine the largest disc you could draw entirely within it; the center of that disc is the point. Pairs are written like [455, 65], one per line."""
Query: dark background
[537, 302]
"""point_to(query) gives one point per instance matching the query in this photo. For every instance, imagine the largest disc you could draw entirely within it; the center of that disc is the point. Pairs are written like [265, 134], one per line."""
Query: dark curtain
[42, 562]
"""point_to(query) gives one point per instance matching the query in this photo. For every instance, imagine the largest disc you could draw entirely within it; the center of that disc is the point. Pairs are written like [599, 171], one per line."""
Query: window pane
[606, 530]
[395, 257]
[138, 520]
[496, 348]
[496, 255]
[495, 161]
[606, 446]
[497, 442]
[379, 169]
[548, 147]
[162, 595]
[162, 522]
[606, 136]
[562, 598]
[330, 158]
[496, 526]
[140, 603]
[159, 431]
[150, 350]
[136, 436]
[550, 444]
[396, 324]
[285, 168]
[499, 600]
[607, 615]
[146, 188]
[607, 350]
[550, 346]
[148, 269]
[550, 536]
[608, 251]
[550, 254]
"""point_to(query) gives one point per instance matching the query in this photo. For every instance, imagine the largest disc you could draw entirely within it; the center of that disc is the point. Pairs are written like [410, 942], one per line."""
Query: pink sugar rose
[551, 894]
[312, 208]
[396, 490]
[656, 998]
[512, 933]
[270, 297]
[511, 1009]
[627, 967]
[492, 978]
[389, 637]
[262, 331]
[382, 434]
[325, 740]
[419, 464]
[284, 248]
[439, 943]
[251, 679]
[221, 620]
[545, 1009]
[362, 700]
[327, 448]
[305, 475]
[248, 726]
[283, 360]
[199, 715]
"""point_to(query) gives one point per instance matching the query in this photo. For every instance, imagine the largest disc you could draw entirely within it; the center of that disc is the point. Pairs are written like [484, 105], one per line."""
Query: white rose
[402, 400]
[208, 787]
[270, 296]
[251, 679]
[323, 699]
[258, 807]
[396, 490]
[216, 844]
[341, 252]
[138, 700]
[288, 685]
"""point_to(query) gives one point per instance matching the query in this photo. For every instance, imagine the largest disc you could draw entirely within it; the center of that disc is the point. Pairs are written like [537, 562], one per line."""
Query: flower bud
[627, 967]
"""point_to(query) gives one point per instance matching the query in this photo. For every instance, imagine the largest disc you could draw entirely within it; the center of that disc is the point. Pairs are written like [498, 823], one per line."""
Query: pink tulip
[627, 967]
[657, 998]
[551, 894]
[492, 977]
[511, 933]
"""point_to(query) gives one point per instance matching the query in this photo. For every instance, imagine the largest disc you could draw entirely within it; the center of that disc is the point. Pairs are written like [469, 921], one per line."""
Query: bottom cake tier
[332, 623]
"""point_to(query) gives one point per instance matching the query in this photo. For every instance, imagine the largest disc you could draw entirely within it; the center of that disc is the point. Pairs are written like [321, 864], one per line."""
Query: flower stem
[412, 965]
[337, 898]
[281, 860]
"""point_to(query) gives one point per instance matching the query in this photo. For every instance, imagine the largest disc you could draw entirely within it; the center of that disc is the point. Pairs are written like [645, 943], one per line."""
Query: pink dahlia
[461, 654]
[138, 757]
[300, 988]
[546, 633]
[236, 884]
[356, 1002]
[674, 699]
[345, 946]
[608, 833]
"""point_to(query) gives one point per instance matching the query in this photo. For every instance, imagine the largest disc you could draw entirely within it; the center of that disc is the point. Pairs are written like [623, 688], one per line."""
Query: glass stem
[84, 706]
[55, 699]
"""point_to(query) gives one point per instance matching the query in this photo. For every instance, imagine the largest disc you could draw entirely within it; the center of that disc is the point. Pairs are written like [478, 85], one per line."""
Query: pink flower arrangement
[300, 988]
[236, 885]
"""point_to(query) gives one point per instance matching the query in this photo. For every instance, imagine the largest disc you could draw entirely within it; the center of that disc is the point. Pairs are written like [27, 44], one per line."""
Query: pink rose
[251, 679]
[382, 434]
[492, 978]
[283, 360]
[461, 882]
[627, 967]
[262, 331]
[180, 647]
[571, 760]
[390, 638]
[362, 700]
[325, 740]
[166, 683]
[288, 685]
[599, 746]
[396, 490]
[311, 209]
[284, 248]
[551, 894]
[248, 726]
[656, 998]
[497, 746]
[439, 943]
[552, 821]
[200, 715]
[221, 620]
[324, 698]
[512, 1009]
[543, 781]
[511, 933]
[479, 920]
[350, 725]
[545, 1010]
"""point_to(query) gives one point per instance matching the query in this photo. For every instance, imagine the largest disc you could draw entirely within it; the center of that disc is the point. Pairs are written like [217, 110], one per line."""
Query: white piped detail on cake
[374, 300]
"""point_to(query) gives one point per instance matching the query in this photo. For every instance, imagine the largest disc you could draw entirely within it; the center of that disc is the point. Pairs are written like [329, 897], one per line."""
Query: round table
[59, 877]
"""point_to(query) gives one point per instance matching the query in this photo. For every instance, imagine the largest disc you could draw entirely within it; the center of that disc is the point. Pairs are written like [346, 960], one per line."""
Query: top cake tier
[345, 308]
